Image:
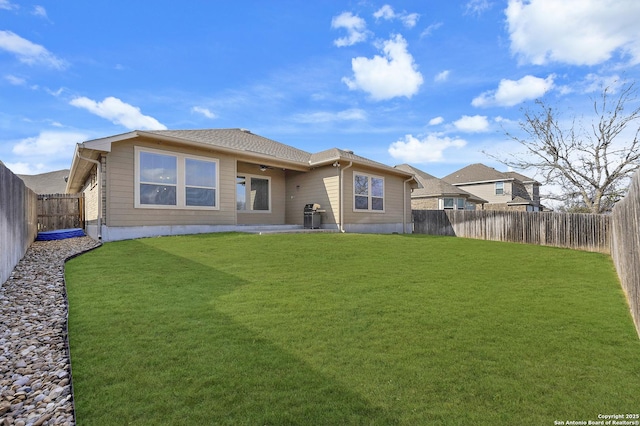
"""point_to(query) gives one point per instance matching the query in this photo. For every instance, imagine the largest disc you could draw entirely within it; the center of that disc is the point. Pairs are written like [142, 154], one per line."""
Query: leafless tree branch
[592, 167]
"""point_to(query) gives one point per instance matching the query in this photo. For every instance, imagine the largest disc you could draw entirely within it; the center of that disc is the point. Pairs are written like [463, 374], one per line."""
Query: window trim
[444, 203]
[369, 208]
[499, 187]
[249, 176]
[456, 203]
[181, 180]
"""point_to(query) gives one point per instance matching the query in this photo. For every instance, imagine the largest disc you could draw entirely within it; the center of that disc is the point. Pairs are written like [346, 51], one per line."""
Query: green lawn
[333, 329]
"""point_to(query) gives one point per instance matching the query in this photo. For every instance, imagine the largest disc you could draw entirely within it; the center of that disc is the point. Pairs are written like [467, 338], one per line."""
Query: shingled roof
[238, 140]
[522, 178]
[242, 141]
[476, 173]
[431, 186]
[47, 183]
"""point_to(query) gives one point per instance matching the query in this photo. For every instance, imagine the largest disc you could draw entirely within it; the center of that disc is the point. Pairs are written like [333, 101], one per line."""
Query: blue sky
[433, 83]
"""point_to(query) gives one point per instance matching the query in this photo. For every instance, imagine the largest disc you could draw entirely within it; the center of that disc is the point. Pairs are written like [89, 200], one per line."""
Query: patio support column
[341, 195]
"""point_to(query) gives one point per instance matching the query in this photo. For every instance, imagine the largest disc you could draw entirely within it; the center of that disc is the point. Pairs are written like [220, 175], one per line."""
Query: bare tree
[591, 165]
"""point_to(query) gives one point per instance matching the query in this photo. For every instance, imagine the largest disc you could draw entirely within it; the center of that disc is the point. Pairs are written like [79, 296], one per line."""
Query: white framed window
[451, 203]
[448, 203]
[253, 193]
[499, 188]
[368, 193]
[169, 180]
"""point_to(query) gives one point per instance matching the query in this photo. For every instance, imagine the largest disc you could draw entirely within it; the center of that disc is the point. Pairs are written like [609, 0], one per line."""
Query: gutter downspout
[341, 201]
[404, 205]
[99, 173]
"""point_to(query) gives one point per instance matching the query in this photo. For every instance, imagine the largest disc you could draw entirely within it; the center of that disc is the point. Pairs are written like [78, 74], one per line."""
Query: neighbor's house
[47, 183]
[502, 190]
[147, 183]
[435, 194]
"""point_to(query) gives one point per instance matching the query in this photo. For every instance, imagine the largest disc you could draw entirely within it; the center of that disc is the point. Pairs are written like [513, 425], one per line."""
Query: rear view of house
[147, 183]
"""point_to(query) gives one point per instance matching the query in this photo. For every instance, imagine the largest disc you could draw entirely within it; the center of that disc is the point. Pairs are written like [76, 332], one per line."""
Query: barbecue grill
[312, 218]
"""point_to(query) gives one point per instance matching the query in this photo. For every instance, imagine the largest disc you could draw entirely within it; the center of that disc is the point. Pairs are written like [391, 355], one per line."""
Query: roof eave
[484, 181]
[80, 167]
[340, 158]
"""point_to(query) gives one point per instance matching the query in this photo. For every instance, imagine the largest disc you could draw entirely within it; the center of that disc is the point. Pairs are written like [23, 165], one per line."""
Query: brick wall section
[424, 204]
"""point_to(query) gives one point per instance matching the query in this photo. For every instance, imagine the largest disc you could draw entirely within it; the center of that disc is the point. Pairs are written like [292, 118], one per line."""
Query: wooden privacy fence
[60, 211]
[625, 246]
[18, 220]
[569, 230]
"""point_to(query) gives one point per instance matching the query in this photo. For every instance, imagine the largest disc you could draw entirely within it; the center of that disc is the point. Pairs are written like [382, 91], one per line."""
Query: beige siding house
[502, 190]
[435, 194]
[148, 183]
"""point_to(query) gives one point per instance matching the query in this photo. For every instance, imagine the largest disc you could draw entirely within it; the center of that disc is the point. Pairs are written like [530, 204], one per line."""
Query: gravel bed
[35, 373]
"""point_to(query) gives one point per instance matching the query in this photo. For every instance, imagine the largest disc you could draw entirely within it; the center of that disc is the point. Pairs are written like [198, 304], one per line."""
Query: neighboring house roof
[522, 178]
[519, 200]
[233, 141]
[47, 183]
[431, 186]
[476, 173]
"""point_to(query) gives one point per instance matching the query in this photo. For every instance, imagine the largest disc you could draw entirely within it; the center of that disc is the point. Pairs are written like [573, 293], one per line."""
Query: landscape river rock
[35, 371]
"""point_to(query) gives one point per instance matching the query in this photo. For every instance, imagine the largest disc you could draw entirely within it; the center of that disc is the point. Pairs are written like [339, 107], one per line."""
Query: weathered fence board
[577, 231]
[18, 220]
[60, 211]
[625, 246]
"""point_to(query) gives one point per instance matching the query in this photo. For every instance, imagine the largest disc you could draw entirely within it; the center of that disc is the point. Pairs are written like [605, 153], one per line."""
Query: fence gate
[60, 211]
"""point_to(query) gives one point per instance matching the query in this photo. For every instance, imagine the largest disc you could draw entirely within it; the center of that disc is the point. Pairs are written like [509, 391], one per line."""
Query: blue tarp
[60, 234]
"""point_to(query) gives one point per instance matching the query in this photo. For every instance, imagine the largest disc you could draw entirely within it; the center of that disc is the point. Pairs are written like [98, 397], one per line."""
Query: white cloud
[386, 77]
[477, 7]
[28, 52]
[442, 76]
[49, 143]
[40, 11]
[427, 150]
[595, 83]
[387, 13]
[504, 121]
[577, 32]
[7, 5]
[16, 81]
[353, 114]
[204, 111]
[430, 29]
[410, 20]
[435, 121]
[472, 124]
[119, 112]
[55, 93]
[513, 92]
[21, 168]
[356, 29]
